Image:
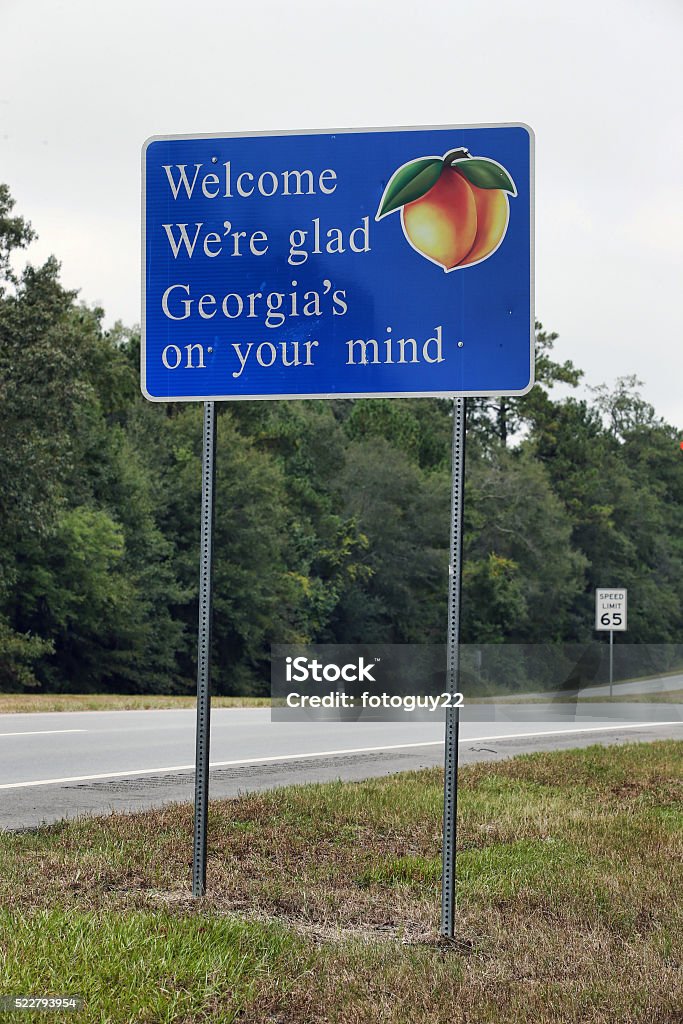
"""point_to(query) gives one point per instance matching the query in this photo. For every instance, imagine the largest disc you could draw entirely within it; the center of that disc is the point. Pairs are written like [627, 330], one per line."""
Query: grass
[146, 966]
[324, 899]
[23, 703]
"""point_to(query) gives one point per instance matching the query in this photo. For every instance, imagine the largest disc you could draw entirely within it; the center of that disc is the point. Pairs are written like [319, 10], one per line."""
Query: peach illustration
[454, 209]
[443, 223]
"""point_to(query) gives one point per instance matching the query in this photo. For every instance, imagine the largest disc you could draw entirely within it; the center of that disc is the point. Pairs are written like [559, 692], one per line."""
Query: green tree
[403, 512]
[15, 233]
[621, 489]
[31, 443]
[513, 517]
[65, 384]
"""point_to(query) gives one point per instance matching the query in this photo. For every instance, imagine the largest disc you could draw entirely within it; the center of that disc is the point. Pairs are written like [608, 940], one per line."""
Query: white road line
[41, 732]
[327, 753]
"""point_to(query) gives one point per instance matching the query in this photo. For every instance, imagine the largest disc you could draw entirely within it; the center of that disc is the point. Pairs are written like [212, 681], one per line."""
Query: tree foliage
[331, 517]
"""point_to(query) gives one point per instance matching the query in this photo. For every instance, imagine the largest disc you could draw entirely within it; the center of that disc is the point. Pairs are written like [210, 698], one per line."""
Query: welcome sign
[395, 262]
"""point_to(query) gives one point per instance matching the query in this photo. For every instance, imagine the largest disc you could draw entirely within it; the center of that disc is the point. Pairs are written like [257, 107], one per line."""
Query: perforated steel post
[201, 783]
[450, 791]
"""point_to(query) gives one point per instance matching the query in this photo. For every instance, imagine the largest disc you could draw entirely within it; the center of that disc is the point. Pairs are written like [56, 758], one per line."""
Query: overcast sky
[84, 83]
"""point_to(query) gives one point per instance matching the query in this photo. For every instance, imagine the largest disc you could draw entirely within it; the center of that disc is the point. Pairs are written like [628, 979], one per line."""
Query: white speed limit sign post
[610, 615]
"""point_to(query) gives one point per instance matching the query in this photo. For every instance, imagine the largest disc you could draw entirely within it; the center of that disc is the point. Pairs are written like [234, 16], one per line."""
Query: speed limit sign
[610, 609]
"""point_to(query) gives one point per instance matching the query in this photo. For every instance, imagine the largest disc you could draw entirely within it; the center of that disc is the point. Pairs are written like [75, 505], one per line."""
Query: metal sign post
[201, 785]
[611, 660]
[450, 792]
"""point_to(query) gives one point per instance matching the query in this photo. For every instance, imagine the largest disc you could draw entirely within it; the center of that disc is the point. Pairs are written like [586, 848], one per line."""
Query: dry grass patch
[25, 703]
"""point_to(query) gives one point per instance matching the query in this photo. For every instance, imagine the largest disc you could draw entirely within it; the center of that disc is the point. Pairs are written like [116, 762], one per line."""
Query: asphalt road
[66, 764]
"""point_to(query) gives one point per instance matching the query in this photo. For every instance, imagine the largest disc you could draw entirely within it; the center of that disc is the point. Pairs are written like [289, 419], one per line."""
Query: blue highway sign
[395, 262]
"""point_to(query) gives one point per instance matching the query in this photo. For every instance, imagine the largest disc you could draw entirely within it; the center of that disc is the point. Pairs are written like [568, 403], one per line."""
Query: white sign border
[335, 394]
